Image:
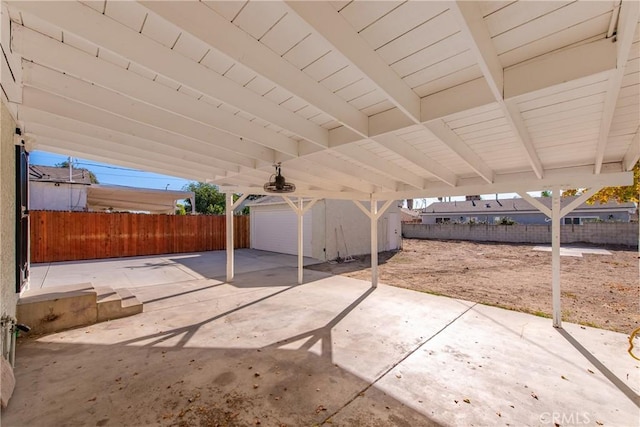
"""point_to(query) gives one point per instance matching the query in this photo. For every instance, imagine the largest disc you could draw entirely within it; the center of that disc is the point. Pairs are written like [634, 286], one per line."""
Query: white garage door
[276, 230]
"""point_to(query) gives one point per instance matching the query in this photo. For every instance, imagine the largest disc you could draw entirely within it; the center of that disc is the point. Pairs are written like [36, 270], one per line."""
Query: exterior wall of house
[356, 227]
[609, 233]
[318, 227]
[7, 214]
[50, 196]
[522, 218]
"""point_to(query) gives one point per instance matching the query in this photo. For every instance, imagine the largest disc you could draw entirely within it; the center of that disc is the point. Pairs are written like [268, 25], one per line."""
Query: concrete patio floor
[265, 351]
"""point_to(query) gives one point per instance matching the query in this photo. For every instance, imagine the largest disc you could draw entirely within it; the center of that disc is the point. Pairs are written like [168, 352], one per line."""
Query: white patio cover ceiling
[362, 98]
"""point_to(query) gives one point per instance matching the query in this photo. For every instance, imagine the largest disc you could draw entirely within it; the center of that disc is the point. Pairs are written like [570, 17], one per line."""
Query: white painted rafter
[627, 23]
[397, 145]
[350, 163]
[11, 68]
[386, 167]
[109, 34]
[349, 169]
[60, 56]
[441, 131]
[633, 153]
[123, 142]
[552, 71]
[343, 37]
[323, 174]
[227, 38]
[44, 101]
[472, 25]
[77, 90]
[101, 152]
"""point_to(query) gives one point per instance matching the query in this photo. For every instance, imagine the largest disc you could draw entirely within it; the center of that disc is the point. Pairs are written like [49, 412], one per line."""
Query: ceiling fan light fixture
[278, 184]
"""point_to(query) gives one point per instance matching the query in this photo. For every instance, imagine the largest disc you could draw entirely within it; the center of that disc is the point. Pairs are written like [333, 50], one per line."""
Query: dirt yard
[602, 291]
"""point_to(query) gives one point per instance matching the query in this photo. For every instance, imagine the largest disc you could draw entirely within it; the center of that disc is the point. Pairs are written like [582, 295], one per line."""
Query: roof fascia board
[570, 178]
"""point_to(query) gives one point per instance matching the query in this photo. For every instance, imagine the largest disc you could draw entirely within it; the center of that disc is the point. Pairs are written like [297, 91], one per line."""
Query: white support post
[579, 200]
[362, 208]
[374, 214]
[556, 213]
[535, 203]
[374, 242]
[555, 257]
[229, 224]
[300, 213]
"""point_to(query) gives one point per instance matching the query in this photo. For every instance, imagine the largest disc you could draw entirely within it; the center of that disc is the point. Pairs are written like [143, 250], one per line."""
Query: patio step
[57, 308]
[114, 304]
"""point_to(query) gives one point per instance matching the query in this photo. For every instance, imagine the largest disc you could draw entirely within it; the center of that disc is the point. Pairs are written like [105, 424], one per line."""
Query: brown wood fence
[71, 236]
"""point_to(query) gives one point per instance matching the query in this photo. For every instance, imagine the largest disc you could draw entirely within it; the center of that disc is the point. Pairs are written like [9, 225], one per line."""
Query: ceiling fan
[277, 183]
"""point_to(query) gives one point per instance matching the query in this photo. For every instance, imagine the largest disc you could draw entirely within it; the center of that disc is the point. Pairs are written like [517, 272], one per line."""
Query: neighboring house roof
[517, 205]
[122, 198]
[56, 174]
[411, 212]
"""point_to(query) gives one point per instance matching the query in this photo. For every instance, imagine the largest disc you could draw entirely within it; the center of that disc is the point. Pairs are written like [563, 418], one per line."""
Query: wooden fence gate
[71, 236]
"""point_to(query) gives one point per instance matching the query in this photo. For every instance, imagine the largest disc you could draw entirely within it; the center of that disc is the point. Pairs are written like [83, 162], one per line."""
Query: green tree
[92, 177]
[628, 193]
[546, 193]
[180, 210]
[209, 201]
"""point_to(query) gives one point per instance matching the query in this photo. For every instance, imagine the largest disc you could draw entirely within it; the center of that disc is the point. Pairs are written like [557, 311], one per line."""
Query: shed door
[393, 233]
[276, 230]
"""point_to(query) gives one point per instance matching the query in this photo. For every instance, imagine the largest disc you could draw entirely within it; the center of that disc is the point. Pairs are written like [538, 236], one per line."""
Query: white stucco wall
[327, 236]
[7, 214]
[57, 196]
[318, 242]
[356, 228]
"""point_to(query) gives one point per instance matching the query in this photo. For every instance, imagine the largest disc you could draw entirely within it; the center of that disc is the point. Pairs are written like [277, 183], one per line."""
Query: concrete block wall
[619, 233]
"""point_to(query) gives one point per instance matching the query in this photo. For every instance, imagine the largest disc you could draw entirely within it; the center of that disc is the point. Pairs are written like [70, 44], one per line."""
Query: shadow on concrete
[150, 383]
[249, 280]
[189, 331]
[323, 333]
[193, 386]
[361, 262]
[187, 292]
[625, 389]
[212, 264]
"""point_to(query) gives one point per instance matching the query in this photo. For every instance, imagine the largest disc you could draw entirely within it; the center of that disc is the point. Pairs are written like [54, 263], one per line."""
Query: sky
[117, 175]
